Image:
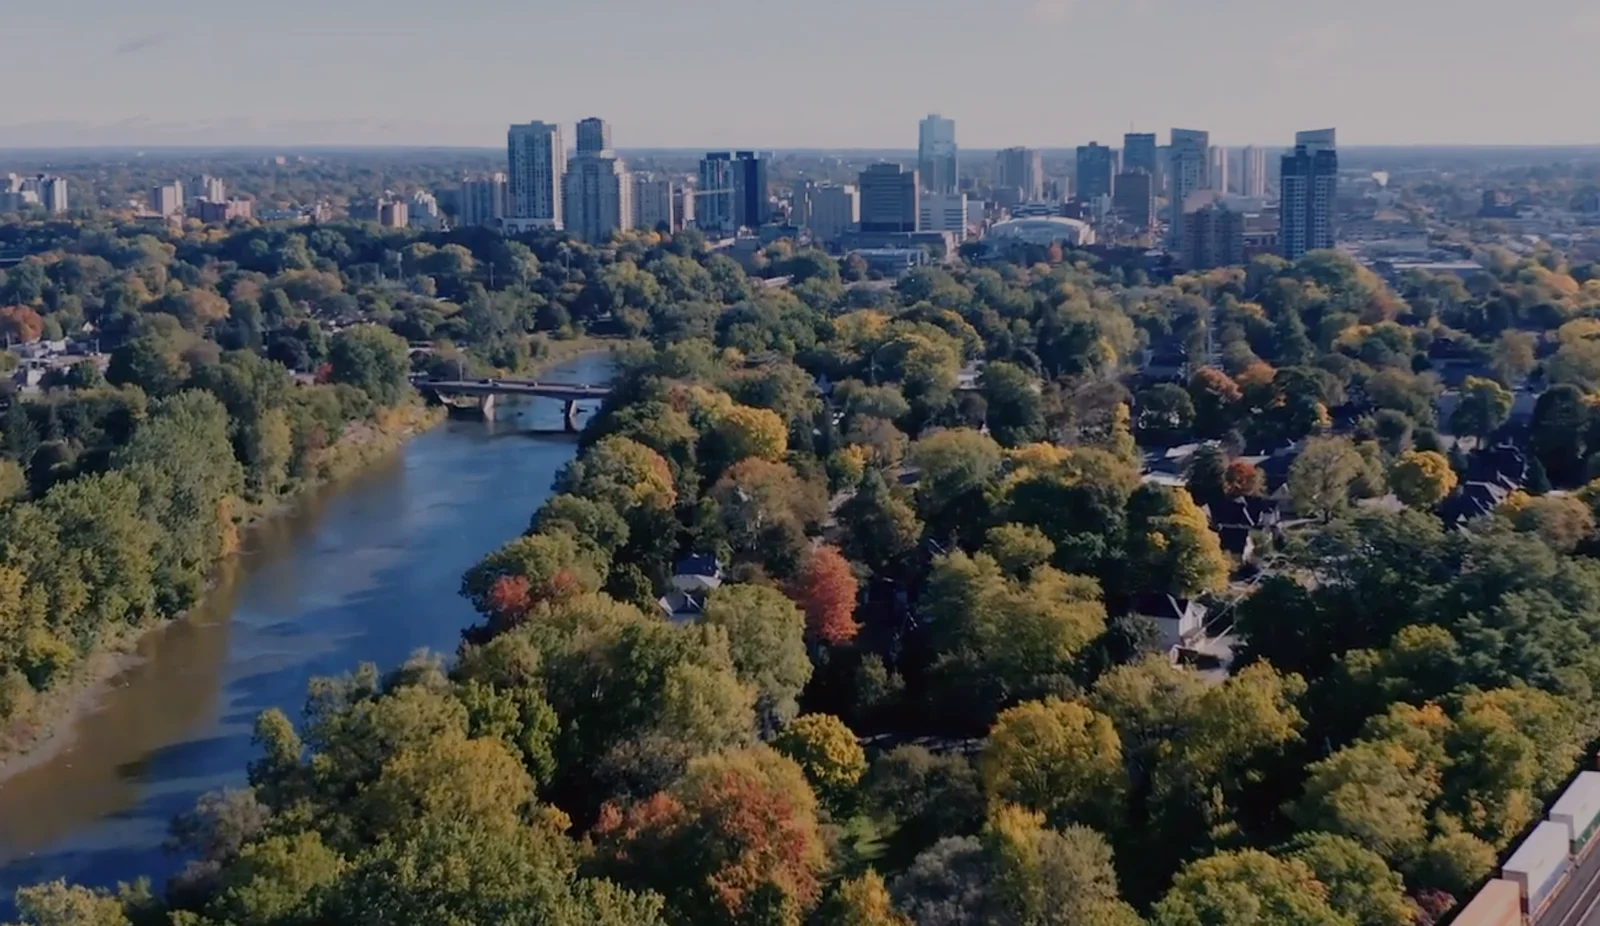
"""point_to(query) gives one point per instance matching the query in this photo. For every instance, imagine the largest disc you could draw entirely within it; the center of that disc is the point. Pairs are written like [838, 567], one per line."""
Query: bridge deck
[516, 387]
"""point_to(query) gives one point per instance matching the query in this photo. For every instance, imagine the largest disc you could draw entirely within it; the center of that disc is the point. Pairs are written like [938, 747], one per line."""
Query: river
[365, 571]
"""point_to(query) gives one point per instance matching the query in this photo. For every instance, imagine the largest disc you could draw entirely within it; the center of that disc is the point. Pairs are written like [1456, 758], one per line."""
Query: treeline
[118, 502]
[836, 619]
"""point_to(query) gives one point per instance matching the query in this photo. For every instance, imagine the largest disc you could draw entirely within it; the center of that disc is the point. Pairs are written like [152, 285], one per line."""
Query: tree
[1576, 363]
[1422, 478]
[957, 468]
[1454, 863]
[948, 884]
[1045, 877]
[1215, 398]
[1165, 413]
[1018, 548]
[827, 751]
[1558, 433]
[1562, 521]
[595, 525]
[1001, 638]
[752, 432]
[926, 796]
[20, 324]
[766, 635]
[1015, 413]
[1056, 757]
[734, 841]
[623, 473]
[863, 901]
[1483, 407]
[1243, 479]
[57, 904]
[880, 527]
[1208, 475]
[1360, 884]
[1172, 545]
[826, 591]
[1247, 888]
[1514, 356]
[1375, 793]
[1321, 477]
[373, 359]
[506, 584]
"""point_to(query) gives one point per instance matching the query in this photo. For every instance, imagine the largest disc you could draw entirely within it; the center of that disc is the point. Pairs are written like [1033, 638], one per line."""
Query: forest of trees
[920, 695]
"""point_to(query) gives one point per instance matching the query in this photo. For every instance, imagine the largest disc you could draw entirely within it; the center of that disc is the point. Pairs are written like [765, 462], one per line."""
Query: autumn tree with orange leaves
[826, 591]
[1242, 478]
[735, 840]
[20, 323]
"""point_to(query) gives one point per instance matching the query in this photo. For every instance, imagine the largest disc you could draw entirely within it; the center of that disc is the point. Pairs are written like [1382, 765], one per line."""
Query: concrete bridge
[483, 392]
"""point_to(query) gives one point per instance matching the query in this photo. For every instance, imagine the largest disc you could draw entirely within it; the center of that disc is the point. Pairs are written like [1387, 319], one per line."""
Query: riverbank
[368, 570]
[40, 731]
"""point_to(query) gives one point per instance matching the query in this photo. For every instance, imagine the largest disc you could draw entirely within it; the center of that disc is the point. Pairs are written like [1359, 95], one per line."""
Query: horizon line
[819, 149]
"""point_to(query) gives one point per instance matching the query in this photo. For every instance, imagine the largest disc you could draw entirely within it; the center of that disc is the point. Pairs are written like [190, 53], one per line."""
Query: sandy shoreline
[79, 700]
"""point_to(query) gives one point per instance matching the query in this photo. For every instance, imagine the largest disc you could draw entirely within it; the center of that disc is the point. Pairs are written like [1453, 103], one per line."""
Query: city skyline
[1284, 67]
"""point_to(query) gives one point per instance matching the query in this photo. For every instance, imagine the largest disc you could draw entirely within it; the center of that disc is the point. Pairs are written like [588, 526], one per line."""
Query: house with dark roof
[1248, 512]
[693, 578]
[1504, 464]
[697, 572]
[1180, 620]
[681, 607]
[1472, 500]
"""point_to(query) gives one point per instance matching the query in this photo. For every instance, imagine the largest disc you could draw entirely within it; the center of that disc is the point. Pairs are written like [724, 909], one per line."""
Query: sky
[818, 74]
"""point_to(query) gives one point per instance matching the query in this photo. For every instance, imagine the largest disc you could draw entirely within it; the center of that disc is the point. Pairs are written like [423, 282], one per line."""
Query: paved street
[1578, 904]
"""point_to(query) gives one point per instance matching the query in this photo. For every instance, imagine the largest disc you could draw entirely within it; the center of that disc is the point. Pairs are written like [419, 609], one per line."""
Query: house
[681, 607]
[1472, 500]
[697, 573]
[1502, 464]
[1248, 512]
[1171, 460]
[1180, 620]
[693, 577]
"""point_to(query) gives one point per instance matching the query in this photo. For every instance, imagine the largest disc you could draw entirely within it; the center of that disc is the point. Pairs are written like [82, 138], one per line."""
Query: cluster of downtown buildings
[208, 201]
[41, 191]
[1222, 205]
[1218, 208]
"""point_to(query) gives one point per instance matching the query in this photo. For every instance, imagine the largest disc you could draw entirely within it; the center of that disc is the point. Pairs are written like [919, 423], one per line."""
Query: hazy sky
[825, 73]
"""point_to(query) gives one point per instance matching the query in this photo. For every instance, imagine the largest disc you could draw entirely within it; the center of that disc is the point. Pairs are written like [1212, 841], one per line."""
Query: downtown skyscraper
[597, 190]
[1020, 169]
[1140, 152]
[937, 162]
[482, 201]
[1253, 182]
[1306, 192]
[537, 157]
[890, 197]
[1097, 165]
[733, 192]
[1191, 158]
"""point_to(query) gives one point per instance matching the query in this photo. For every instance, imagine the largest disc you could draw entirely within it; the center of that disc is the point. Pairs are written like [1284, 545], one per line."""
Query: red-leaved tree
[736, 836]
[1243, 478]
[826, 590]
[509, 599]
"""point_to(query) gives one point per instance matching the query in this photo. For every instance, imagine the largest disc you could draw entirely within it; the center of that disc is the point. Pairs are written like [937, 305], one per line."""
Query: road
[1578, 904]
